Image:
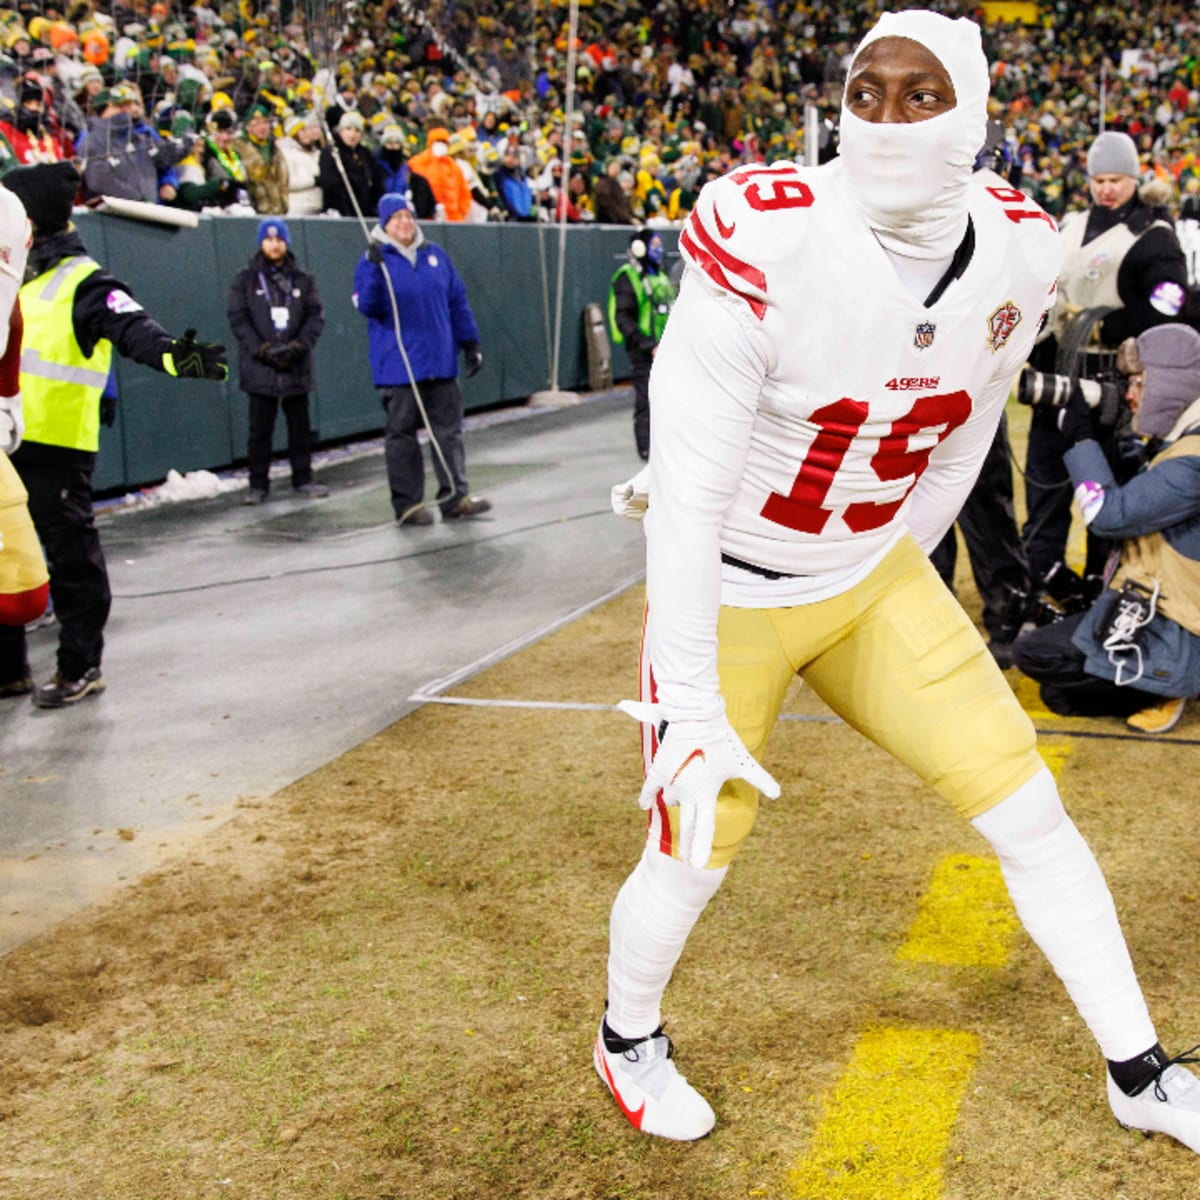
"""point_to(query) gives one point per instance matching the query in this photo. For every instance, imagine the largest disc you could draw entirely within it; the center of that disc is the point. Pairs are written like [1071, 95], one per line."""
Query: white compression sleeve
[1064, 903]
[651, 918]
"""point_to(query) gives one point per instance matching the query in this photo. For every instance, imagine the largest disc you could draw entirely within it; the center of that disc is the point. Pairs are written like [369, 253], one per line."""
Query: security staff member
[76, 314]
[1121, 254]
[639, 300]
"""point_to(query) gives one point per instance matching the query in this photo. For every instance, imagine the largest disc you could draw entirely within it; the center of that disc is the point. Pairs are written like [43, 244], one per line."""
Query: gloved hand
[108, 411]
[263, 353]
[694, 760]
[190, 359]
[1075, 421]
[283, 355]
[375, 253]
[12, 423]
[472, 359]
[632, 498]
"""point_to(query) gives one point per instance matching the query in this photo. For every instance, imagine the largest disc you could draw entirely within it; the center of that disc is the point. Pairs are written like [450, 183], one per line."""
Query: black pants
[1047, 493]
[989, 524]
[639, 375]
[263, 410]
[1048, 656]
[443, 400]
[60, 503]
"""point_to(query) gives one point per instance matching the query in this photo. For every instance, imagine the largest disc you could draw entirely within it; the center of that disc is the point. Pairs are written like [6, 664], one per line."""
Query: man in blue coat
[1136, 652]
[417, 326]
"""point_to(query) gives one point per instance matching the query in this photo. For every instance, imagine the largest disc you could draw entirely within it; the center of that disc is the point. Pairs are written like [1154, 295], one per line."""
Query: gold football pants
[896, 658]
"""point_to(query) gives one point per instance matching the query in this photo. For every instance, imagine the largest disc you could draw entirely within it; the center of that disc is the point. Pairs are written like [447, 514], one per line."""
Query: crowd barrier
[182, 278]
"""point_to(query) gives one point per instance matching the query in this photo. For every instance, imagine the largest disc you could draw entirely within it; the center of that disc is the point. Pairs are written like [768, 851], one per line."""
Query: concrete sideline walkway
[248, 646]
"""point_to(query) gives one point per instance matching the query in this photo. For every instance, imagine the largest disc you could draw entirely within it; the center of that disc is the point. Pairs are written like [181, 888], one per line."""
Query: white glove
[12, 423]
[694, 760]
[632, 498]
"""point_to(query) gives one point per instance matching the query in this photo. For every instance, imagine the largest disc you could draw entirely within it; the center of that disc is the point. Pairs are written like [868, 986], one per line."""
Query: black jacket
[103, 308]
[1156, 257]
[362, 171]
[249, 311]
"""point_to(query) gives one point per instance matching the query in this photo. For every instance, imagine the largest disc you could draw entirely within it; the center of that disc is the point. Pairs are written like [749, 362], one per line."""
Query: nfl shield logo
[923, 338]
[1001, 324]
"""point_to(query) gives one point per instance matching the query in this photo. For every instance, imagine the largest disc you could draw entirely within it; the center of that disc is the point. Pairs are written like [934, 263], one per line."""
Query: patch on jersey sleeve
[1090, 498]
[726, 270]
[119, 301]
[1001, 324]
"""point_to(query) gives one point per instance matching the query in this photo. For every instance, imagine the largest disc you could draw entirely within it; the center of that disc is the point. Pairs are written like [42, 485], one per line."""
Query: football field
[384, 980]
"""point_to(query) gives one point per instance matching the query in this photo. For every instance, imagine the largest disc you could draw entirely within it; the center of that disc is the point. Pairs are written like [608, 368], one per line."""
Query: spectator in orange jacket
[436, 165]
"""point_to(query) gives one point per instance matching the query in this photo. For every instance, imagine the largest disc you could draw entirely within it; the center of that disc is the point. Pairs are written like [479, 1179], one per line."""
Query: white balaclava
[910, 179]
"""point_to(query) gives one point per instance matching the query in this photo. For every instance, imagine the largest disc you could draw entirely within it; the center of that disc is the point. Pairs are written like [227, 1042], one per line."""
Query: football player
[24, 583]
[834, 370]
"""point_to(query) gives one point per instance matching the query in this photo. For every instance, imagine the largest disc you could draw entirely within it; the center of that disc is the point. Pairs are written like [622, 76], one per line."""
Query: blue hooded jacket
[435, 318]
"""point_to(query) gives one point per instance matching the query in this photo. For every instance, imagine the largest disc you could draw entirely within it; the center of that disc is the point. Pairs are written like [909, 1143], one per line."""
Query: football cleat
[1169, 1103]
[648, 1087]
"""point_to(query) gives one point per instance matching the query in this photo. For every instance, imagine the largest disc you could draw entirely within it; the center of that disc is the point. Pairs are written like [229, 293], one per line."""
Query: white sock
[651, 918]
[1060, 895]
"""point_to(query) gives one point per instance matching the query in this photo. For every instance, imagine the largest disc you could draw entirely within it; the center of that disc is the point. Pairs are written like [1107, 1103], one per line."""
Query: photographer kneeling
[1136, 651]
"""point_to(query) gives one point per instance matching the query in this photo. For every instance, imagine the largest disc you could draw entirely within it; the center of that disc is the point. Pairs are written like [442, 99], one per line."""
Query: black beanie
[48, 193]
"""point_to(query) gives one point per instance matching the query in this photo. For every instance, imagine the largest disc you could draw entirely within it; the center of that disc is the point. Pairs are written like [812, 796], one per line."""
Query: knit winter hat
[48, 193]
[274, 227]
[391, 204]
[351, 120]
[1113, 153]
[1170, 356]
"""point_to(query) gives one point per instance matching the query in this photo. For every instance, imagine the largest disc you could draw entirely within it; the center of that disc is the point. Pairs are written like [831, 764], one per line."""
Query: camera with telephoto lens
[1063, 593]
[1103, 395]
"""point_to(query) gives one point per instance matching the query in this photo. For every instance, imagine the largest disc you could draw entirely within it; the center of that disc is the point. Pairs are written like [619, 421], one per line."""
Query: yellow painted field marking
[965, 919]
[884, 1130]
[1030, 700]
[1054, 752]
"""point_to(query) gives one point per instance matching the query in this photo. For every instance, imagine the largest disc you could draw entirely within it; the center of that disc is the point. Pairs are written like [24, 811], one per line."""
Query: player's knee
[1025, 817]
[987, 754]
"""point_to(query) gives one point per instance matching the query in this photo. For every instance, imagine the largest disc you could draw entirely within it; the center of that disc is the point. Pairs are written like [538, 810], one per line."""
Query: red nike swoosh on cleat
[726, 231]
[634, 1115]
[697, 753]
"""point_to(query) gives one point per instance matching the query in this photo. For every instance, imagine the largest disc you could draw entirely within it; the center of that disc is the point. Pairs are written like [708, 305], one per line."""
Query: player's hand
[190, 359]
[1075, 420]
[12, 423]
[694, 760]
[632, 498]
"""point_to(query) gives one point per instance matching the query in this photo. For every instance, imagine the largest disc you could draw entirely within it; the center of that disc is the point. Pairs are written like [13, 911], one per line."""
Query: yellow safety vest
[60, 388]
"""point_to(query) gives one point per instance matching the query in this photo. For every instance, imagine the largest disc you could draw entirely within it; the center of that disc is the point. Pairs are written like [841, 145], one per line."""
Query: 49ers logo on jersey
[1001, 324]
[918, 383]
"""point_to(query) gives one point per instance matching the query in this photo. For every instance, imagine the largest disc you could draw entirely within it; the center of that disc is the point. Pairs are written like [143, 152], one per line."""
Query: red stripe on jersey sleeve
[712, 268]
[743, 270]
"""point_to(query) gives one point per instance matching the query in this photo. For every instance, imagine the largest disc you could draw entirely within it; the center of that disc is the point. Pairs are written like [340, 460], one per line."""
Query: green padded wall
[182, 277]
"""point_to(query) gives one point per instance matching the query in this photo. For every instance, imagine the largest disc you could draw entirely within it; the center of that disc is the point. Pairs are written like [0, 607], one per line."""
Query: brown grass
[383, 982]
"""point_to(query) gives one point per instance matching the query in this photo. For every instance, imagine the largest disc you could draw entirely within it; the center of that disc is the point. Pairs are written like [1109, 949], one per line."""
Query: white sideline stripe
[428, 691]
[574, 706]
[564, 705]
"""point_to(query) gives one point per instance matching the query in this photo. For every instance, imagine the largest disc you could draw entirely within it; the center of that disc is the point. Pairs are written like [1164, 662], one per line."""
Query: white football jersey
[808, 408]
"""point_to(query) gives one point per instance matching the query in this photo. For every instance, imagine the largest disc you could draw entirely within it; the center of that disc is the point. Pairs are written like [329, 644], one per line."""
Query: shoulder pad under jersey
[1030, 233]
[743, 223]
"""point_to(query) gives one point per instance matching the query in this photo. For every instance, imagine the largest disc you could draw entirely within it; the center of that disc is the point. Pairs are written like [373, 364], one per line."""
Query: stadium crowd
[240, 107]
